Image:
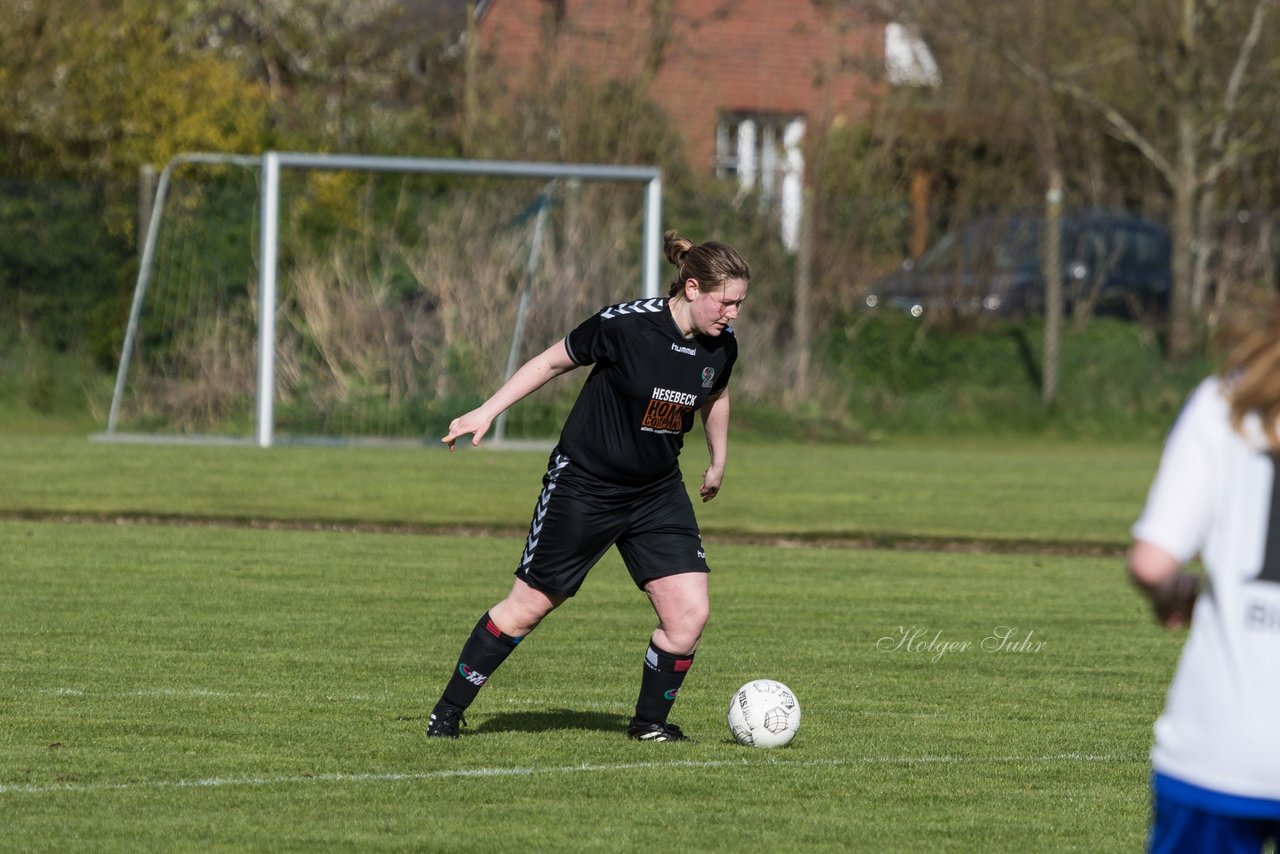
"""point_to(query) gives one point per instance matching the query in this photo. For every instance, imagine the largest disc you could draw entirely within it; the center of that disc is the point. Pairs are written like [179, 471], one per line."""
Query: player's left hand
[711, 484]
[1176, 601]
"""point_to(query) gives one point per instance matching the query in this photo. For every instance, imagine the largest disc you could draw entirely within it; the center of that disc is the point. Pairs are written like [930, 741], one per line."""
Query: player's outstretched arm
[715, 423]
[1171, 590]
[533, 375]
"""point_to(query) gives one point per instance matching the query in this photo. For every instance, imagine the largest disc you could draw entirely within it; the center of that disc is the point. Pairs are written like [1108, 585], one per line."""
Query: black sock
[663, 675]
[481, 654]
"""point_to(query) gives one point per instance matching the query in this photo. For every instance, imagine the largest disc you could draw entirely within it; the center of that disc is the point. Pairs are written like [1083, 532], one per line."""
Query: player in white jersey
[1216, 760]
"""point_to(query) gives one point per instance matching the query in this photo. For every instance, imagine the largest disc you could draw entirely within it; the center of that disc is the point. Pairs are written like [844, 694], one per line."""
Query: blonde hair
[1251, 369]
[711, 263]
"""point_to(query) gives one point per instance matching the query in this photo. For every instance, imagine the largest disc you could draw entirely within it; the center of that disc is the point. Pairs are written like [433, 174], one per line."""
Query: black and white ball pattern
[764, 713]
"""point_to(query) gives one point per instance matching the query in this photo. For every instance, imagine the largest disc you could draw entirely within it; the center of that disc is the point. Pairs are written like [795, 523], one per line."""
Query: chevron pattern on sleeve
[640, 306]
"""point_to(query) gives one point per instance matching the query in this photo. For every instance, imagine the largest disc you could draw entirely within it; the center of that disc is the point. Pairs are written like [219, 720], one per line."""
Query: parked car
[1112, 262]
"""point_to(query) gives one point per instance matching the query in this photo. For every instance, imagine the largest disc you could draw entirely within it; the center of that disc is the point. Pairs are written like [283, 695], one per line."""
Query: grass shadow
[547, 720]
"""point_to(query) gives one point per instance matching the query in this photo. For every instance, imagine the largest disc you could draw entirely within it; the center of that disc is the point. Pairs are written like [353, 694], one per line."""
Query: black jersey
[628, 423]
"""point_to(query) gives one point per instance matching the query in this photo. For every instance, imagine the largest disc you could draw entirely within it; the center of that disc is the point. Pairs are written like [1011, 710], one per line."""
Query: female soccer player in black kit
[614, 479]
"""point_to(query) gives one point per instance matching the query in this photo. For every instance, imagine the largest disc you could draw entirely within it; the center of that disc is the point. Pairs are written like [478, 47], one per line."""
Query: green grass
[194, 688]
[256, 675]
[1029, 491]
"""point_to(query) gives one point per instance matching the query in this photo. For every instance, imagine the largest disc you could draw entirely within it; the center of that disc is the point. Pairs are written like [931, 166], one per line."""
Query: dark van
[1112, 263]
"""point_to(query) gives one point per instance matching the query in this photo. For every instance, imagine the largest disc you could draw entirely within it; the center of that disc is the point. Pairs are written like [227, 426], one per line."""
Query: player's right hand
[473, 422]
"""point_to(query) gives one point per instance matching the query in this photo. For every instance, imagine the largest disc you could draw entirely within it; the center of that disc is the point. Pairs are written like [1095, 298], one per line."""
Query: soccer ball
[764, 713]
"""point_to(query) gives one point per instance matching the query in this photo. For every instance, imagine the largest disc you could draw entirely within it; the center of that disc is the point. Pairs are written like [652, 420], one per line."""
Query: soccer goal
[339, 298]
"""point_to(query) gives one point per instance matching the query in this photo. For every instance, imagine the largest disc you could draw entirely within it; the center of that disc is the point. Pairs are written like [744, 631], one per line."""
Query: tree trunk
[1183, 235]
[1052, 267]
[920, 185]
[1204, 240]
[1051, 264]
[1184, 194]
[802, 321]
[470, 101]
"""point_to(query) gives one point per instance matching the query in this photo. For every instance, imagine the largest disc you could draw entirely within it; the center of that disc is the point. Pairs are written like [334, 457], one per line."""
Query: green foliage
[44, 390]
[860, 191]
[64, 279]
[905, 377]
[578, 119]
[103, 91]
[374, 76]
[88, 94]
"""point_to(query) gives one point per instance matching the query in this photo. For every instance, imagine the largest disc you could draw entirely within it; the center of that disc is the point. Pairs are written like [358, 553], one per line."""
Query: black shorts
[578, 517]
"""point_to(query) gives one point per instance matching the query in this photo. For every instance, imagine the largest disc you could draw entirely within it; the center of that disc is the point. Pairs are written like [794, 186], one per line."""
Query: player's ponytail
[711, 263]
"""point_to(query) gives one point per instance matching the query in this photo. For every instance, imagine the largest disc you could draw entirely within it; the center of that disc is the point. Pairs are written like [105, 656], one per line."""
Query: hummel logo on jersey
[474, 677]
[688, 351]
[640, 306]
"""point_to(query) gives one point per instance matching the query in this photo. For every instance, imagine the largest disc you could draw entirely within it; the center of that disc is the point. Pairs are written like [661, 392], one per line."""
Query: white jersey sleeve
[1213, 496]
[1180, 502]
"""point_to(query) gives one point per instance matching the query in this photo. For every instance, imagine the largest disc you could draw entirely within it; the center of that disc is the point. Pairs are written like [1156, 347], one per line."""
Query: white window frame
[765, 152]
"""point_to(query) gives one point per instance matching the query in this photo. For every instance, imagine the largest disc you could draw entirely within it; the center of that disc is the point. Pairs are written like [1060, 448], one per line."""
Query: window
[764, 151]
[907, 58]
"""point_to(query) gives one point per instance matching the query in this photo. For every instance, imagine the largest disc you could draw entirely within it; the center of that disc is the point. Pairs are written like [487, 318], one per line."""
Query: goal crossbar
[272, 162]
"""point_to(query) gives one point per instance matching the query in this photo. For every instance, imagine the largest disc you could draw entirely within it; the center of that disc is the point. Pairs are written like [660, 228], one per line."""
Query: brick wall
[779, 56]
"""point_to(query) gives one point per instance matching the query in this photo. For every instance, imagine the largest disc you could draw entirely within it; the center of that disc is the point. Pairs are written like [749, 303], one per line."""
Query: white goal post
[272, 163]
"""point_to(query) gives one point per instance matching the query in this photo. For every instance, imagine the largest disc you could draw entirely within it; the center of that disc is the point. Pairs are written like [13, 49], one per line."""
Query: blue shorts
[1192, 819]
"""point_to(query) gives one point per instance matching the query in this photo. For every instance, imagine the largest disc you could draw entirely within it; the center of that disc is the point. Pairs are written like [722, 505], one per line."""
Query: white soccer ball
[764, 713]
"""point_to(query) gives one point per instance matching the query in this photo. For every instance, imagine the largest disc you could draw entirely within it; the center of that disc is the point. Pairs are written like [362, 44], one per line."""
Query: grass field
[1031, 493]
[259, 681]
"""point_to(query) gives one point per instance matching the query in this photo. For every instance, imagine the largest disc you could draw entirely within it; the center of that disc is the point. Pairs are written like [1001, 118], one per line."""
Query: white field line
[515, 700]
[197, 693]
[585, 768]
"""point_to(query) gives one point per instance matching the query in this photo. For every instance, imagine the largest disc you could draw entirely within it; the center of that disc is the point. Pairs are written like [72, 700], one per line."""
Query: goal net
[334, 298]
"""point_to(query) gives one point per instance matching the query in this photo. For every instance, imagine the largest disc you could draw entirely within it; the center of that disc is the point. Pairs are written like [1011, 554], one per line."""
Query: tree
[345, 74]
[98, 90]
[1179, 83]
[90, 92]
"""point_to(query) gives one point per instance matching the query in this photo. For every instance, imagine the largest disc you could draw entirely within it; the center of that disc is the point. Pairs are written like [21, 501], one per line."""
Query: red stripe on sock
[683, 664]
[493, 629]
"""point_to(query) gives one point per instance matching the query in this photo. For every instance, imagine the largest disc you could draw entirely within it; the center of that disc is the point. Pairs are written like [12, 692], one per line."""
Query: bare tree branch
[1225, 158]
[1114, 118]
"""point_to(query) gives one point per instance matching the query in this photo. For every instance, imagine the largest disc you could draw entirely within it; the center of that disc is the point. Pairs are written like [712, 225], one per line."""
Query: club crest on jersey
[708, 375]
